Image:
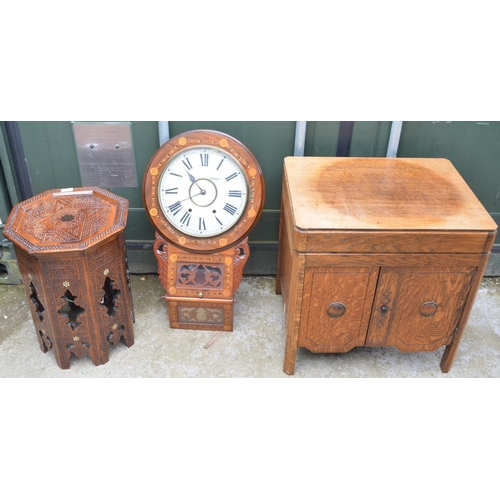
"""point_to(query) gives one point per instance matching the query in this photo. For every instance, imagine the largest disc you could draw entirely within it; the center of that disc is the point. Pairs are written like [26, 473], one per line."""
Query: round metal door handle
[428, 308]
[336, 309]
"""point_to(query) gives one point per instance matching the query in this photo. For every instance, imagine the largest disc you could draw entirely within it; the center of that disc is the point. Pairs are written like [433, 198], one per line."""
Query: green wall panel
[322, 138]
[51, 155]
[370, 139]
[146, 142]
[472, 147]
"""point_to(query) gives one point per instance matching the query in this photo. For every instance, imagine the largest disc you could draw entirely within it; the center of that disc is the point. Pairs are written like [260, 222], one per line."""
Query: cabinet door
[418, 309]
[336, 308]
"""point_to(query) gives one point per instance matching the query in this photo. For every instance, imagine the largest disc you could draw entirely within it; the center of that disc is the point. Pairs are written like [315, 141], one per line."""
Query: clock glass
[202, 191]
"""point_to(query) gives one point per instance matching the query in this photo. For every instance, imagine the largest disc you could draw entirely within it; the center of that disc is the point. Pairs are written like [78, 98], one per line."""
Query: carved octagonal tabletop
[66, 219]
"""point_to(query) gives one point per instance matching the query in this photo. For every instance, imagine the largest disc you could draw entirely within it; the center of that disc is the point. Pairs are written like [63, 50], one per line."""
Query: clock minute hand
[190, 197]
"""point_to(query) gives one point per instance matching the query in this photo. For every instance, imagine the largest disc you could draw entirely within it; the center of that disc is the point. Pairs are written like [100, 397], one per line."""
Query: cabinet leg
[290, 356]
[448, 357]
[451, 350]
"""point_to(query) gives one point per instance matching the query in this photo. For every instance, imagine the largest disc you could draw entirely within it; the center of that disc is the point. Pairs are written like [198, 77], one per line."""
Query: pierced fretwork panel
[200, 275]
[71, 310]
[46, 343]
[36, 301]
[116, 335]
[111, 295]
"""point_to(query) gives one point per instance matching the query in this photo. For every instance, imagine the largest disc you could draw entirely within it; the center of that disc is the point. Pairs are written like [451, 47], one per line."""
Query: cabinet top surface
[381, 193]
[66, 219]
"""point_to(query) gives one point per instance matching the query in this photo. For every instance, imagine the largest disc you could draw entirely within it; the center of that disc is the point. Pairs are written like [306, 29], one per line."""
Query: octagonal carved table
[70, 246]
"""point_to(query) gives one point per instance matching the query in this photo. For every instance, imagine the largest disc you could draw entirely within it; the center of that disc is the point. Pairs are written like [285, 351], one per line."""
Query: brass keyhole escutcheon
[428, 308]
[336, 309]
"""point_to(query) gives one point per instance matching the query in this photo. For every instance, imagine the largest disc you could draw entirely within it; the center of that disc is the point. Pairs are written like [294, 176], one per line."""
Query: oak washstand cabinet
[378, 252]
[70, 246]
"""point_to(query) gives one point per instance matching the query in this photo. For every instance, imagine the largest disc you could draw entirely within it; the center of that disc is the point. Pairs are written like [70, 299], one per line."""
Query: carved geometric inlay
[200, 275]
[70, 310]
[66, 219]
[36, 301]
[111, 295]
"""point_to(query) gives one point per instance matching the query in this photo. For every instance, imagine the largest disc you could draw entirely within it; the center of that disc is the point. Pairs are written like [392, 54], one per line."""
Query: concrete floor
[254, 349]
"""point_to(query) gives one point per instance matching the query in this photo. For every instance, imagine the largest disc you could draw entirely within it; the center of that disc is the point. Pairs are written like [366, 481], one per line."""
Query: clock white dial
[202, 191]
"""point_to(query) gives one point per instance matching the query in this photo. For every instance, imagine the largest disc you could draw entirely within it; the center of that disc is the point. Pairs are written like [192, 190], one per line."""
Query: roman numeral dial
[203, 191]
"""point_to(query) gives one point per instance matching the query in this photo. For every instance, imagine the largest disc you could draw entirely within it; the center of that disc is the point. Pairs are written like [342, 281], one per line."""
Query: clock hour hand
[193, 180]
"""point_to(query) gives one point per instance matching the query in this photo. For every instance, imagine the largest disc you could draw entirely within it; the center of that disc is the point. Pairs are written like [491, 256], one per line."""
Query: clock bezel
[237, 166]
[240, 154]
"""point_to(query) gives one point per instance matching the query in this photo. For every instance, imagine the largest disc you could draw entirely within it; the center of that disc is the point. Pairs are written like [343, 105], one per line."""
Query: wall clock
[203, 192]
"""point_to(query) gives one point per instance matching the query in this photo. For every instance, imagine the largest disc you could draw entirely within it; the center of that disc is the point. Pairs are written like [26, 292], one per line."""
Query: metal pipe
[20, 163]
[392, 146]
[300, 138]
[345, 138]
[163, 132]
[7, 172]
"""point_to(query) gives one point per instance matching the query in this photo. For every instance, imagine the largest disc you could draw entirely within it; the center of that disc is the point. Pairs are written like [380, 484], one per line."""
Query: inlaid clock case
[204, 192]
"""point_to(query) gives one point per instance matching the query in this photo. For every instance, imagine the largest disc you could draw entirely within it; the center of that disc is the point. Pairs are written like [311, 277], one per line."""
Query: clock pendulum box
[203, 192]
[378, 252]
[70, 247]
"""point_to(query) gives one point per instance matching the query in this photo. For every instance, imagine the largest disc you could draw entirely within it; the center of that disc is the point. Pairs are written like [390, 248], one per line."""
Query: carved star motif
[106, 272]
[66, 284]
[76, 339]
[115, 326]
